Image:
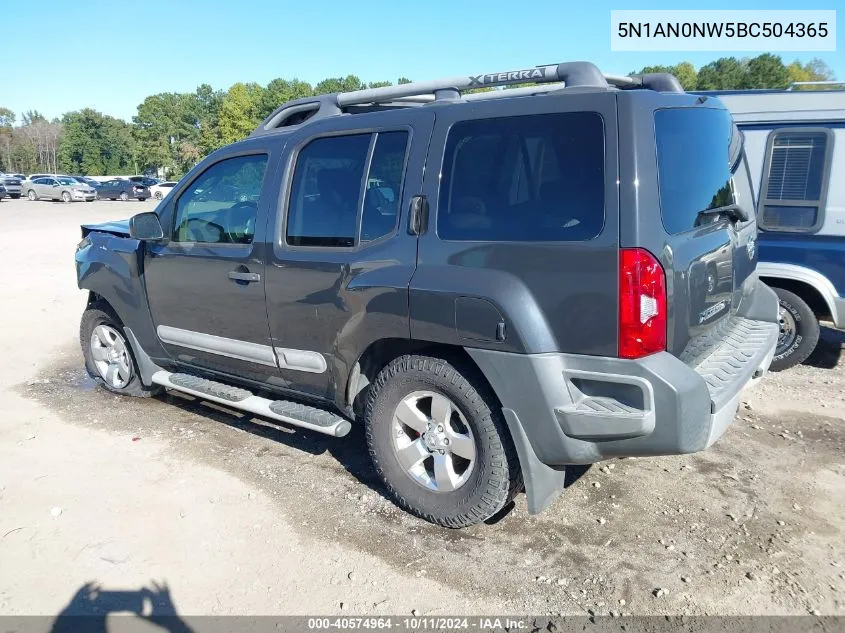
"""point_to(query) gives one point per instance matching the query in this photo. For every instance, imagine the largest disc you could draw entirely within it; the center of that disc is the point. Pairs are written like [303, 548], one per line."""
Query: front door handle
[234, 275]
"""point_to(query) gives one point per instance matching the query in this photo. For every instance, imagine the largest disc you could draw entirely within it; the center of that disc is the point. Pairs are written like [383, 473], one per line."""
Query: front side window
[527, 178]
[795, 178]
[221, 205]
[700, 166]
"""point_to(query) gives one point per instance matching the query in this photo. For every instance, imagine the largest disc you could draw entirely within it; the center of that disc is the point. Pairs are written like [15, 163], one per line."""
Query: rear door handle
[247, 277]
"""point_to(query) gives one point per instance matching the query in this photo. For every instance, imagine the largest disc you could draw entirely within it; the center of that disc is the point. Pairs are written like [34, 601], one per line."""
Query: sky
[111, 56]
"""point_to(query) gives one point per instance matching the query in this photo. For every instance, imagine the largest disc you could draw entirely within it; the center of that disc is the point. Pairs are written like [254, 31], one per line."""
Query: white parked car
[162, 189]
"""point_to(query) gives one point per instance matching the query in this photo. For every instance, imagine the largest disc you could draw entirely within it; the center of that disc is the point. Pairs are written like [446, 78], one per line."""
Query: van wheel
[799, 331]
[439, 442]
[108, 355]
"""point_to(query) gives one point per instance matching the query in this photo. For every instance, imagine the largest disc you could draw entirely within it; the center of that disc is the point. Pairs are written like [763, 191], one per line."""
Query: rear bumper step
[293, 413]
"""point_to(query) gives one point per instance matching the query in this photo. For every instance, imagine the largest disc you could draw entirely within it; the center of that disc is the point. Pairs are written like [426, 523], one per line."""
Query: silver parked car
[61, 188]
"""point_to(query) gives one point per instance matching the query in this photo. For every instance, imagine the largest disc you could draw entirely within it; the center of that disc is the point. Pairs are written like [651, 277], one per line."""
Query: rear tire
[32, 195]
[456, 464]
[799, 331]
[109, 359]
[124, 196]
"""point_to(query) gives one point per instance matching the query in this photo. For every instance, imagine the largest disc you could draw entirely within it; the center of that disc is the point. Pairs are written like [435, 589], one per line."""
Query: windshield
[700, 165]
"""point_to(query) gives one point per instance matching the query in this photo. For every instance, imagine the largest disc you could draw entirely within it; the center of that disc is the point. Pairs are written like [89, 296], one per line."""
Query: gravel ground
[752, 526]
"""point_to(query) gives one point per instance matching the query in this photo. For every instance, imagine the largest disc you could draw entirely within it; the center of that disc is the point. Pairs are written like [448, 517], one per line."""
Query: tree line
[172, 131]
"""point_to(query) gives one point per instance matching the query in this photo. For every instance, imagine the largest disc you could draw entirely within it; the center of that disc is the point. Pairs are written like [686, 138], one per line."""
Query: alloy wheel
[433, 442]
[110, 355]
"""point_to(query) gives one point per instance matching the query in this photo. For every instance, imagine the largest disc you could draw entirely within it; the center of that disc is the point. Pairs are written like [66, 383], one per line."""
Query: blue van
[795, 144]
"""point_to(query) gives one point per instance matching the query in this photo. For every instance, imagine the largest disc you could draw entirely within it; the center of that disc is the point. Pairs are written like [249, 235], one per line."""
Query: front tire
[65, 197]
[439, 442]
[108, 356]
[799, 331]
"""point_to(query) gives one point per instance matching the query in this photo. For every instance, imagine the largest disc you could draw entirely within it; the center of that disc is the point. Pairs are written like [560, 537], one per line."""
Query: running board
[282, 410]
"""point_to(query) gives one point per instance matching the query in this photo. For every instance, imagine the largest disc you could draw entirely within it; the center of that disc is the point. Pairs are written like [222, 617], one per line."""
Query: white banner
[723, 31]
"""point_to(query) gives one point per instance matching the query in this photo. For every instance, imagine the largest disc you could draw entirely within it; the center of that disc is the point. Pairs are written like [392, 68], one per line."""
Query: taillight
[642, 304]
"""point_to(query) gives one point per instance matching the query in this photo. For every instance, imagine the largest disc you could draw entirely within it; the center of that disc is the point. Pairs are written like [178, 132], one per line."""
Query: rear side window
[530, 178]
[795, 179]
[331, 197]
[700, 166]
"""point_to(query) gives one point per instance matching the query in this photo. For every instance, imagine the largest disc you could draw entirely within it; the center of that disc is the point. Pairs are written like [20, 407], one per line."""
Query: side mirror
[145, 226]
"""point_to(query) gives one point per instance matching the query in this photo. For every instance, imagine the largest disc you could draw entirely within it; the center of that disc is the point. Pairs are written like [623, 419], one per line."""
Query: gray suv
[493, 285]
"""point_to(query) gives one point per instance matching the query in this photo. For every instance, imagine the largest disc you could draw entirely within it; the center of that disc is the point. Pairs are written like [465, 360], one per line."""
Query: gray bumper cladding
[573, 409]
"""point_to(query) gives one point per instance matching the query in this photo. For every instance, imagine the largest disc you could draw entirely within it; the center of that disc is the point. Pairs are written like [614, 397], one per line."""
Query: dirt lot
[240, 516]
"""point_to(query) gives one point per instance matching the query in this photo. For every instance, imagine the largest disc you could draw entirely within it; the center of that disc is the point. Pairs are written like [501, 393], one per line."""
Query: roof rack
[798, 84]
[547, 78]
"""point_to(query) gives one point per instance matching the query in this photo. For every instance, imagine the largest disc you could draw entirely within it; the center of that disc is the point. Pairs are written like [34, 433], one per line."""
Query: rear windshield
[700, 166]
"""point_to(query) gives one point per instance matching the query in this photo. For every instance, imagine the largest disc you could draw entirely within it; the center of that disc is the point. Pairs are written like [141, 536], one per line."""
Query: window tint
[384, 185]
[220, 205]
[795, 180]
[700, 166]
[326, 192]
[527, 178]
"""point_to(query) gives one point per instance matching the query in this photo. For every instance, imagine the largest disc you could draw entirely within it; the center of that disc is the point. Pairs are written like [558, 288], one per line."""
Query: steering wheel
[199, 230]
[242, 214]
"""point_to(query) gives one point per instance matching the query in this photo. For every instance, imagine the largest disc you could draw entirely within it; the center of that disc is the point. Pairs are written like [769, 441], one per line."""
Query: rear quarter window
[700, 166]
[531, 178]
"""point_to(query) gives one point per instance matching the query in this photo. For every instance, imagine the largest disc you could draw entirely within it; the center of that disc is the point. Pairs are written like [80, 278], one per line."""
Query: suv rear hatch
[692, 207]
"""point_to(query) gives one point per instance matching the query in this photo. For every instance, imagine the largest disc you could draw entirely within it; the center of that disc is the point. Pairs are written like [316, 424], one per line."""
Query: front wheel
[32, 195]
[124, 196]
[65, 196]
[158, 195]
[96, 196]
[799, 331]
[108, 356]
[438, 441]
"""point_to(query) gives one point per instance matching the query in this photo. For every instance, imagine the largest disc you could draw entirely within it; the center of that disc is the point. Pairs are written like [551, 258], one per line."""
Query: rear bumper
[572, 409]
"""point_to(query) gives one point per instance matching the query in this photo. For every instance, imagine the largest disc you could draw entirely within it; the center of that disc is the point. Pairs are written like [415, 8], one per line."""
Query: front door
[206, 284]
[342, 257]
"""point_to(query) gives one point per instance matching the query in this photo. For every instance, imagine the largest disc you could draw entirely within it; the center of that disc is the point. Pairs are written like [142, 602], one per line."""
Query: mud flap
[543, 483]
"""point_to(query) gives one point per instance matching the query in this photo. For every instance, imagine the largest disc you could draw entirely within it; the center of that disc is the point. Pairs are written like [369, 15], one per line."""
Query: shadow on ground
[90, 606]
[828, 352]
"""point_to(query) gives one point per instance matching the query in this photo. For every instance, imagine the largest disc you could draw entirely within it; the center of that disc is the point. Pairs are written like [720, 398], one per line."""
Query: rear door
[521, 250]
[693, 167]
[341, 256]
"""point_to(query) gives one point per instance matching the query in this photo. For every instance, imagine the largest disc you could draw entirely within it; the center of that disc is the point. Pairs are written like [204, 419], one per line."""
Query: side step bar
[282, 410]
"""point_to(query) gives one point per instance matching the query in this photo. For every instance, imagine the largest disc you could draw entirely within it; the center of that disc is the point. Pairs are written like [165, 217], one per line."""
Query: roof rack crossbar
[798, 84]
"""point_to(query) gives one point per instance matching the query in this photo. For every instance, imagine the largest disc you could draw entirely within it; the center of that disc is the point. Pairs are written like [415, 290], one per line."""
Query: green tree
[814, 70]
[281, 91]
[7, 120]
[726, 73]
[96, 144]
[684, 72]
[403, 80]
[240, 111]
[766, 71]
[339, 84]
